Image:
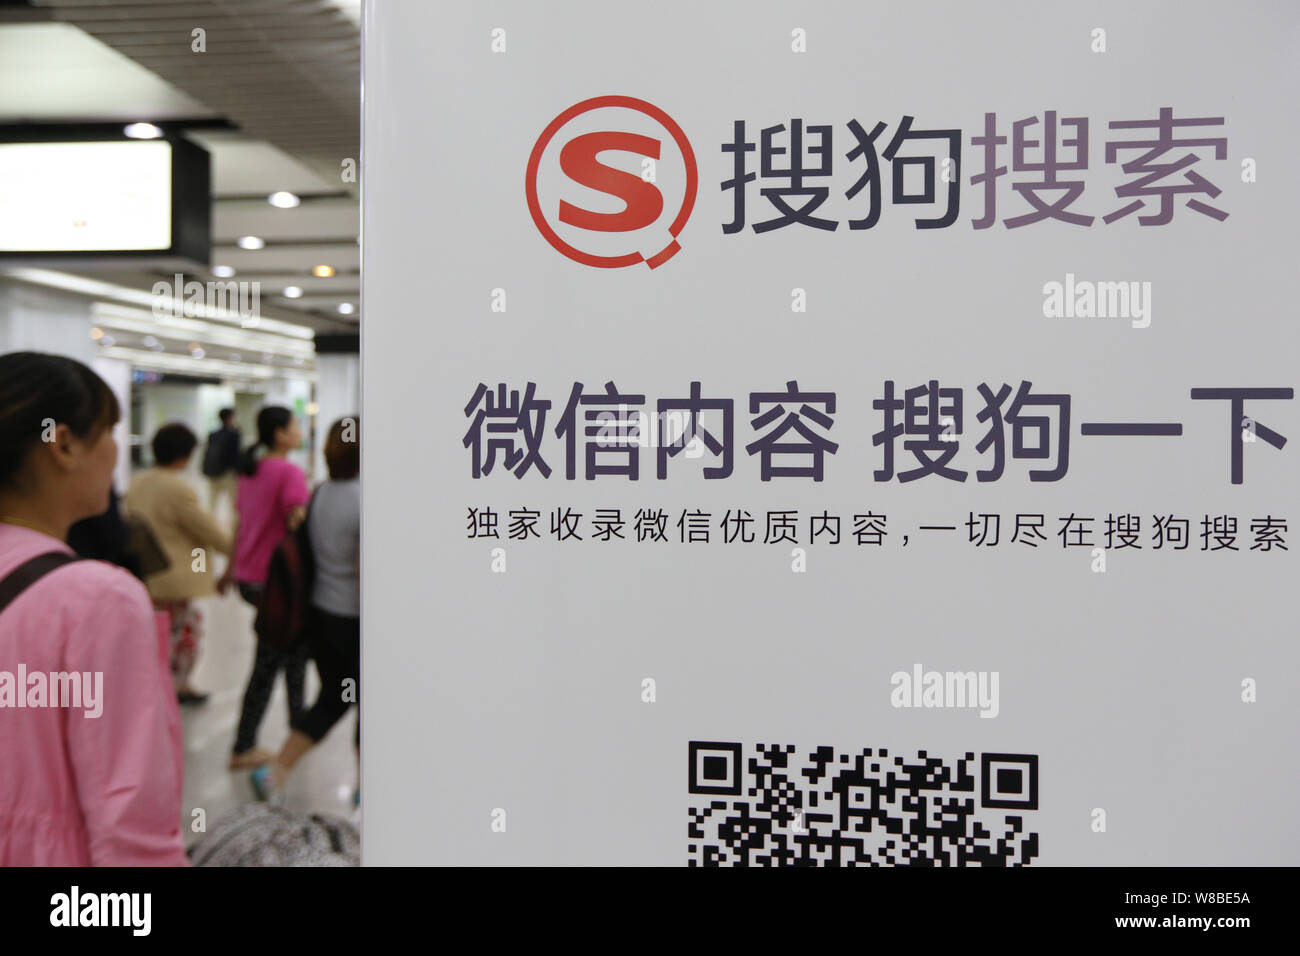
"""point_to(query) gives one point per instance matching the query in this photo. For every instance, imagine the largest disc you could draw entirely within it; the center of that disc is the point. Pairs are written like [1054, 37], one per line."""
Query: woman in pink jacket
[89, 729]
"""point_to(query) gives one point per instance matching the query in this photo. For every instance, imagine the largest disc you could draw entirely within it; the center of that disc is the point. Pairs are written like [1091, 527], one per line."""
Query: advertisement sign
[829, 434]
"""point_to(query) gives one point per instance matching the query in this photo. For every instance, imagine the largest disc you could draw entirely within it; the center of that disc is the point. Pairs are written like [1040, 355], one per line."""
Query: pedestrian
[333, 630]
[271, 502]
[190, 537]
[94, 777]
[221, 460]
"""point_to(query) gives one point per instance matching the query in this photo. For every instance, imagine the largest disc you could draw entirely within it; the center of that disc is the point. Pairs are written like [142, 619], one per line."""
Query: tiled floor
[322, 781]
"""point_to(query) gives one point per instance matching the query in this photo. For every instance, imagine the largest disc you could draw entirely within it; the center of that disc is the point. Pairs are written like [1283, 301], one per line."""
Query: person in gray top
[334, 630]
[335, 531]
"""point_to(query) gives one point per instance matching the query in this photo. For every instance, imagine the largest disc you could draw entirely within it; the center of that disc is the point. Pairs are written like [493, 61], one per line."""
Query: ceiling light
[148, 341]
[346, 308]
[323, 272]
[147, 299]
[223, 272]
[250, 242]
[283, 200]
[137, 323]
[107, 340]
[142, 131]
[96, 333]
[293, 292]
[197, 352]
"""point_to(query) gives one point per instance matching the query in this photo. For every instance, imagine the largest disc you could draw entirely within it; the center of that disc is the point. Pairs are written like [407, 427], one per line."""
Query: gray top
[335, 530]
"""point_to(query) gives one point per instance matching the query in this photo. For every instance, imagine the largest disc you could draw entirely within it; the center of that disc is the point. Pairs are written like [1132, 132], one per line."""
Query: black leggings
[266, 665]
[335, 644]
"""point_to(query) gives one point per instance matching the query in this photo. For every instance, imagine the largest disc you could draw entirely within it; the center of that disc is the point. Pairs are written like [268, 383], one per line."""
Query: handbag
[283, 610]
[142, 548]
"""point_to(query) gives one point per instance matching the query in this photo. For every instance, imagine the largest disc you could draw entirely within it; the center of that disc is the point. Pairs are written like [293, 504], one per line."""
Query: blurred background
[270, 92]
[179, 190]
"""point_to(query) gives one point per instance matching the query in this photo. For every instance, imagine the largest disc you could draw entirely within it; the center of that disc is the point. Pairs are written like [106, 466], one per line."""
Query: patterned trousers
[187, 631]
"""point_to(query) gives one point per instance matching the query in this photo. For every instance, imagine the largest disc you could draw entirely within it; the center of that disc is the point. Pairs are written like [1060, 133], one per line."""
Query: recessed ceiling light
[283, 200]
[293, 292]
[107, 340]
[148, 341]
[142, 131]
[223, 272]
[346, 308]
[97, 333]
[250, 242]
[323, 272]
[197, 352]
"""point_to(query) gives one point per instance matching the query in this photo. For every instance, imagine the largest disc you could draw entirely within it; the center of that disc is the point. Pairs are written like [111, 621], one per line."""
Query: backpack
[215, 455]
[260, 835]
[219, 457]
[282, 611]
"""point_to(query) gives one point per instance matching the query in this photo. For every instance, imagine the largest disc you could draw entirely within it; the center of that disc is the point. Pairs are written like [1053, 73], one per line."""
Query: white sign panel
[832, 433]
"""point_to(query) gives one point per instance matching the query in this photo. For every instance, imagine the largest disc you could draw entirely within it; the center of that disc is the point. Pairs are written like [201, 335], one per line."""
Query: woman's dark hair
[343, 449]
[269, 421]
[173, 442]
[36, 388]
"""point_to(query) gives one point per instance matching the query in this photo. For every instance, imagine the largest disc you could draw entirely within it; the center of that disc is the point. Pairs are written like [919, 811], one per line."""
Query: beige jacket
[165, 499]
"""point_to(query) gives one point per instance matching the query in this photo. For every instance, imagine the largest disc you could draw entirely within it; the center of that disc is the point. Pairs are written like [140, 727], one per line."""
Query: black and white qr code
[775, 806]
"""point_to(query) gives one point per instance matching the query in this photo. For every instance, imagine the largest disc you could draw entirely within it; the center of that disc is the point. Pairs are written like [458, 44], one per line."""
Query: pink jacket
[75, 789]
[265, 502]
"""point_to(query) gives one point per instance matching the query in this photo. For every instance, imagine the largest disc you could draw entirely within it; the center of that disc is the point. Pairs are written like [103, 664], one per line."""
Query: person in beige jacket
[188, 535]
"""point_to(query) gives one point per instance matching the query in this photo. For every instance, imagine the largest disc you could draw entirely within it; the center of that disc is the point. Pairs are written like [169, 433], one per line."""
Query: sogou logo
[611, 182]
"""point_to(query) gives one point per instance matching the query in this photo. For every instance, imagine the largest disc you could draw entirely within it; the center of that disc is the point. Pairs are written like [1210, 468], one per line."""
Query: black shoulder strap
[29, 572]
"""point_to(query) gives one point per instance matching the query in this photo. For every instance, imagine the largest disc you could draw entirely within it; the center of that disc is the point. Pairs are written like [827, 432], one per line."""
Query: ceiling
[275, 99]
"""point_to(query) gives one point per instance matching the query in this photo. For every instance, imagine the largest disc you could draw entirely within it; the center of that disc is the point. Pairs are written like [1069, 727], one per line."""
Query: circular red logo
[567, 182]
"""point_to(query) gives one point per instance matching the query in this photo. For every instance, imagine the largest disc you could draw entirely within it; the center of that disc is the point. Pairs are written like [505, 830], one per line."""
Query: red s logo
[593, 237]
[644, 200]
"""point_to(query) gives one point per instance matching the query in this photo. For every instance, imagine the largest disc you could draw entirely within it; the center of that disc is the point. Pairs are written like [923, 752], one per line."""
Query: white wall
[44, 320]
[338, 389]
[117, 373]
[211, 400]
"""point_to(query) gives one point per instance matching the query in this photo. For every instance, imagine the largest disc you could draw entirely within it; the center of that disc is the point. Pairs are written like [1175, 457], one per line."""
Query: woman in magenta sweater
[90, 741]
[271, 502]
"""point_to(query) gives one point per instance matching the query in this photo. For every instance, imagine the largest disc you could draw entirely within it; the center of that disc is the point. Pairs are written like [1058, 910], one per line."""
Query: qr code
[862, 808]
